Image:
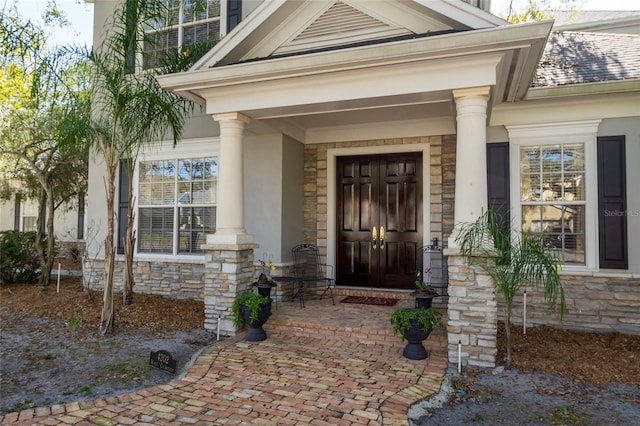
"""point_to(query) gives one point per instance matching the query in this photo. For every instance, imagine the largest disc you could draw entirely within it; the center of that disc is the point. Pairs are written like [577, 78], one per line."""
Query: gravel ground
[562, 377]
[44, 362]
[512, 397]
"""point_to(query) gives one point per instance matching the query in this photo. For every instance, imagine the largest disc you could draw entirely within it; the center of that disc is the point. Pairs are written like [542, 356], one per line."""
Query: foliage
[535, 10]
[428, 318]
[263, 276]
[253, 301]
[74, 320]
[43, 124]
[422, 286]
[18, 257]
[130, 110]
[514, 260]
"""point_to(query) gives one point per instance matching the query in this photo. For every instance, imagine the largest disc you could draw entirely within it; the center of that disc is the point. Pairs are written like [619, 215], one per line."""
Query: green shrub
[18, 257]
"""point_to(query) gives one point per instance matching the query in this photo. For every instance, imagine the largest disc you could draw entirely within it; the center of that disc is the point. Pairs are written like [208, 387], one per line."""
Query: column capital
[471, 92]
[231, 116]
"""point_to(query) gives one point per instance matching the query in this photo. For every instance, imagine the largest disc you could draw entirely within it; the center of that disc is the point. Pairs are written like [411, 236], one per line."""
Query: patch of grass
[477, 418]
[127, 371]
[567, 415]
[75, 320]
[18, 406]
[82, 390]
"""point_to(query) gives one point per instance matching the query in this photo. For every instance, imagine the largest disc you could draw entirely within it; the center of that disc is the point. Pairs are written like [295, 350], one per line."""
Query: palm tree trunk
[45, 274]
[507, 325]
[129, 245]
[107, 320]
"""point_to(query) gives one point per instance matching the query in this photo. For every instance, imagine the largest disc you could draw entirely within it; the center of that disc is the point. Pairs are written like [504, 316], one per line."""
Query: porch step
[347, 322]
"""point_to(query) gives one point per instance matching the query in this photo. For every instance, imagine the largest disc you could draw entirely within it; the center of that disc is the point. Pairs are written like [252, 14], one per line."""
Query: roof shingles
[578, 57]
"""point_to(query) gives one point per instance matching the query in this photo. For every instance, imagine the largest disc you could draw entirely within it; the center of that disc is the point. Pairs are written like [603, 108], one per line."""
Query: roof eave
[527, 40]
[583, 89]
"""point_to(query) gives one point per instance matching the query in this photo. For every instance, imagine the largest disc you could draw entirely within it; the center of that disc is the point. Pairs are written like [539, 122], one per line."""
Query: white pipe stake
[58, 286]
[218, 332]
[459, 356]
[524, 315]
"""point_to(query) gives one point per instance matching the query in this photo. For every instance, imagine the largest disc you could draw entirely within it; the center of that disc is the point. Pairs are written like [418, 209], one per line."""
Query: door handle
[374, 237]
[381, 237]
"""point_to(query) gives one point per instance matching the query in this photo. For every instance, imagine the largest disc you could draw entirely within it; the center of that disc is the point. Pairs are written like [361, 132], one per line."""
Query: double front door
[379, 220]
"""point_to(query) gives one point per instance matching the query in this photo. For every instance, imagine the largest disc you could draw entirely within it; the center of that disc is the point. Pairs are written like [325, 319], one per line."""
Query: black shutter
[16, 217]
[123, 206]
[234, 14]
[499, 199]
[612, 203]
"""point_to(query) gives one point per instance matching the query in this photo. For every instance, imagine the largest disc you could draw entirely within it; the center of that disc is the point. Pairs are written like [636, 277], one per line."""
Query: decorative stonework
[177, 280]
[596, 301]
[229, 272]
[442, 175]
[472, 314]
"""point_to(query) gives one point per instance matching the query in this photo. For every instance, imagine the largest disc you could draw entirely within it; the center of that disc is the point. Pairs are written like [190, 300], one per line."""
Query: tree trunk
[51, 239]
[107, 320]
[129, 245]
[45, 273]
[507, 325]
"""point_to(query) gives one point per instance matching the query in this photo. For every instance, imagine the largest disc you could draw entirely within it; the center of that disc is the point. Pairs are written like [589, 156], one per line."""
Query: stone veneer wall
[442, 170]
[170, 278]
[596, 302]
[472, 315]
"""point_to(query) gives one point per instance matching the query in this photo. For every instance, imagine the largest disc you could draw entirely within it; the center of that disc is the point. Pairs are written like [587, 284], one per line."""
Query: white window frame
[189, 148]
[574, 132]
[28, 210]
[222, 25]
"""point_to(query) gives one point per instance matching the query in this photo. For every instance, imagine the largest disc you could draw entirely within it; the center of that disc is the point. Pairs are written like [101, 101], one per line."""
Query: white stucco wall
[95, 227]
[7, 215]
[263, 193]
[292, 196]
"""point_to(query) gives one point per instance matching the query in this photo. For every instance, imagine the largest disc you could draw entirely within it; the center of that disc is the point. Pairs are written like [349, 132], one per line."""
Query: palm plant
[131, 109]
[514, 260]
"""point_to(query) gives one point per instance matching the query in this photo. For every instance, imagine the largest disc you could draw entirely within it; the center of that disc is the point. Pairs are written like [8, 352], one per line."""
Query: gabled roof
[580, 57]
[285, 27]
[567, 18]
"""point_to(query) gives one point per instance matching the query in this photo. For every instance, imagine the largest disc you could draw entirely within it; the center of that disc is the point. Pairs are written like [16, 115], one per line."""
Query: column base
[230, 238]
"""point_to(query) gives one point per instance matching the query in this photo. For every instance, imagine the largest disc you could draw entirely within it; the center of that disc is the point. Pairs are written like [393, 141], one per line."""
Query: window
[552, 196]
[189, 22]
[176, 204]
[29, 217]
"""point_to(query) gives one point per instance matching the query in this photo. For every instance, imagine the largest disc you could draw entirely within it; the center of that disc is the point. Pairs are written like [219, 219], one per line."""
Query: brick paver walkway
[281, 381]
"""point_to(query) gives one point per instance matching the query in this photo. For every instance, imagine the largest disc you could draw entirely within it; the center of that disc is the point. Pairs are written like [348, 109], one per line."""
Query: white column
[471, 156]
[230, 199]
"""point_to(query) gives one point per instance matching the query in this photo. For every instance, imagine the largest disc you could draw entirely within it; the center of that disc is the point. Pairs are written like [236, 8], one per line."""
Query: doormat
[363, 300]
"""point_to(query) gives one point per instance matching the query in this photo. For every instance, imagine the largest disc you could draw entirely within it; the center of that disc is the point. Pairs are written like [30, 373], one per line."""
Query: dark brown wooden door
[379, 220]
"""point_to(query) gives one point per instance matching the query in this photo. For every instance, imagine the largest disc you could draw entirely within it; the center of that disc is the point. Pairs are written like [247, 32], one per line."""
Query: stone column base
[472, 314]
[229, 269]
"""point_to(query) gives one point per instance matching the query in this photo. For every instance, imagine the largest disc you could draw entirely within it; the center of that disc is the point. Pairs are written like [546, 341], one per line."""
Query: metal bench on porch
[309, 271]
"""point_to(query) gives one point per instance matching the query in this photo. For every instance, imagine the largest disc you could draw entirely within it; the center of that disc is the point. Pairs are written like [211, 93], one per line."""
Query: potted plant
[253, 309]
[263, 281]
[414, 326]
[514, 260]
[424, 293]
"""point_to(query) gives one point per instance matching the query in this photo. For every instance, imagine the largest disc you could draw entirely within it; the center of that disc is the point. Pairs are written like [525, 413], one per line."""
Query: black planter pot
[423, 301]
[256, 333]
[414, 337]
[264, 290]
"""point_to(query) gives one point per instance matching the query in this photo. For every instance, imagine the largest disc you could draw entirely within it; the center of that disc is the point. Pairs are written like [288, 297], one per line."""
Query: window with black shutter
[499, 199]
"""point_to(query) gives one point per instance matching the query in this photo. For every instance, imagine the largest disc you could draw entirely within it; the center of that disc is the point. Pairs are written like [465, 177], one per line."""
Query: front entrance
[379, 220]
